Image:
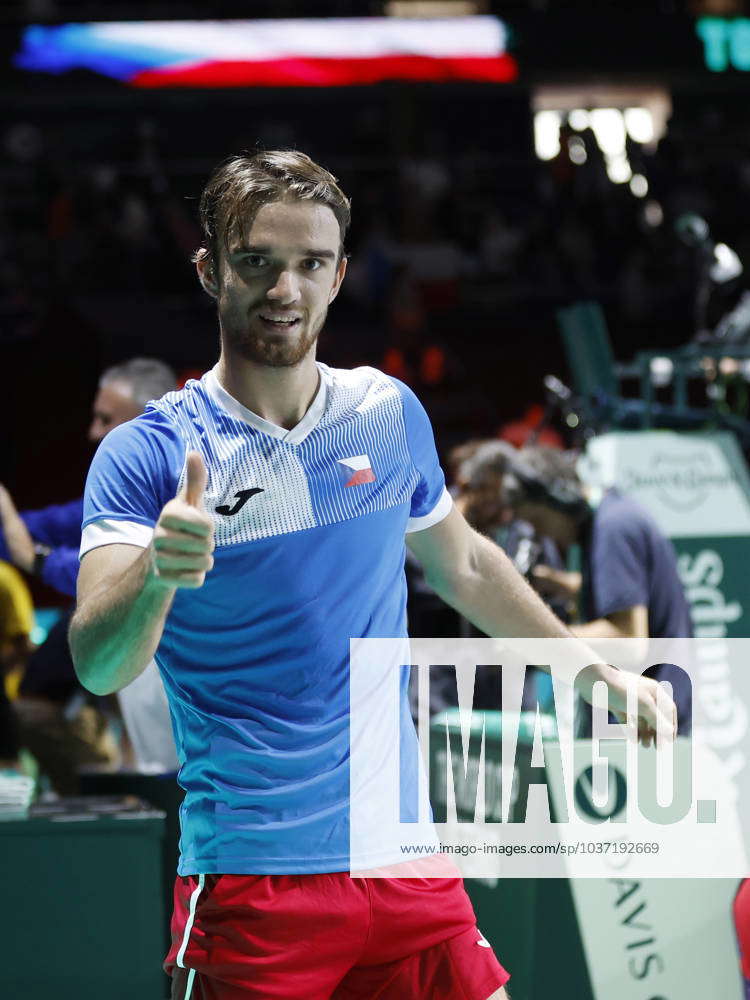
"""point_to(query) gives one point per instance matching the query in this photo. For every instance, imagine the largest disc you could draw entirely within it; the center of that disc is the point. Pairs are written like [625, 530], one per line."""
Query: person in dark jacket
[629, 586]
[55, 718]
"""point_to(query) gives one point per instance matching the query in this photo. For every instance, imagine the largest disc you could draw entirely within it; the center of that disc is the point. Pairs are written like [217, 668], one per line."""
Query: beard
[270, 348]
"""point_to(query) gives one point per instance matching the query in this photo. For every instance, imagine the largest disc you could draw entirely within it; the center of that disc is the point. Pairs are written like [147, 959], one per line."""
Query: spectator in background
[477, 469]
[427, 613]
[629, 586]
[45, 542]
[59, 725]
[16, 624]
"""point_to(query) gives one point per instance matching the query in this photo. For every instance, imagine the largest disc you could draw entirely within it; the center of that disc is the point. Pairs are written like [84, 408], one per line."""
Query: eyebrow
[269, 251]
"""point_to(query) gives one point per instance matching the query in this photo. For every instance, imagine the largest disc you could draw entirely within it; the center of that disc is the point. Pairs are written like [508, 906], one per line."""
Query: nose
[285, 289]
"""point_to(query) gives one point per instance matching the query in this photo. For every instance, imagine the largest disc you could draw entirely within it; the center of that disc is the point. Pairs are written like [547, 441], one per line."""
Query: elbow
[94, 684]
[92, 679]
[88, 672]
[460, 579]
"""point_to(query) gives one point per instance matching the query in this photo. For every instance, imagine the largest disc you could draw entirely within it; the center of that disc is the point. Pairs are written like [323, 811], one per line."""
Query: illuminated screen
[274, 53]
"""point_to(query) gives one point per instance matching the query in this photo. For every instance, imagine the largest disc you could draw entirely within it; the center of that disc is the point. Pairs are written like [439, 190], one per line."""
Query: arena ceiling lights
[329, 52]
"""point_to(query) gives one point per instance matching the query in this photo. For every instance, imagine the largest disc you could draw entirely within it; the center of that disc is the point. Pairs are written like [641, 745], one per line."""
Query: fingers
[192, 563]
[178, 542]
[182, 561]
[183, 580]
[667, 733]
[656, 722]
[181, 518]
[183, 542]
[196, 477]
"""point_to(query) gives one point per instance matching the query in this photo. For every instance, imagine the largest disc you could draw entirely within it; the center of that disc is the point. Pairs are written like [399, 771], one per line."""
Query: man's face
[275, 283]
[113, 405]
[485, 509]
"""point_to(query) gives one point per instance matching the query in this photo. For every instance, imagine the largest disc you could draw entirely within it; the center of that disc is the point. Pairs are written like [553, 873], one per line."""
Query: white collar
[293, 436]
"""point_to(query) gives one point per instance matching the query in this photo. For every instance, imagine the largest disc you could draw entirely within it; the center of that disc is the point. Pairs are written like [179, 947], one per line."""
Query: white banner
[694, 485]
[658, 939]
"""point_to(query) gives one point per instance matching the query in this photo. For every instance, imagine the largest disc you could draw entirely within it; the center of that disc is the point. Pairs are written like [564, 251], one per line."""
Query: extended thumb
[196, 477]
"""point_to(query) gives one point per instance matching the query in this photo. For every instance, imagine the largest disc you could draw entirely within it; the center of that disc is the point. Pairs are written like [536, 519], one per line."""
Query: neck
[280, 395]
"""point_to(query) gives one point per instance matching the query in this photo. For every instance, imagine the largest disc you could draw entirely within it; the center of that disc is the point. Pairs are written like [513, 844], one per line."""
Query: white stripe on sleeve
[109, 530]
[441, 510]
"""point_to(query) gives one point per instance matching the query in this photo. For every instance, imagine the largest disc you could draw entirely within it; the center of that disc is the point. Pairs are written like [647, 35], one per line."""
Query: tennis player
[241, 531]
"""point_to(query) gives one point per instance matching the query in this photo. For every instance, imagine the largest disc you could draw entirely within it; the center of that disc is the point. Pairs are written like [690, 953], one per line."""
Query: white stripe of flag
[482, 36]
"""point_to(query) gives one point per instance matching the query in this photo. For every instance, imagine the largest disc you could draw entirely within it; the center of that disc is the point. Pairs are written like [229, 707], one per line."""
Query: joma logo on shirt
[242, 497]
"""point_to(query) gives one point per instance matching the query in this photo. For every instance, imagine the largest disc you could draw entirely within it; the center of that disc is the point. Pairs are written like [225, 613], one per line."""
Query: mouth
[279, 321]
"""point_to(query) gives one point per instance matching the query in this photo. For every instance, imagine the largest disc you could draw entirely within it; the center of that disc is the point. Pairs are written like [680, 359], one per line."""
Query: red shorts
[327, 937]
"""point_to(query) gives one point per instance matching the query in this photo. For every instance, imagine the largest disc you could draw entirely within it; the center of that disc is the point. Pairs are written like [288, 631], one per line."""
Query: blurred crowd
[460, 251]
[463, 245]
[51, 728]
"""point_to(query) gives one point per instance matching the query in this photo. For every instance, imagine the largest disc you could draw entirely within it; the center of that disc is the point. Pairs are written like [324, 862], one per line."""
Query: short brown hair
[239, 186]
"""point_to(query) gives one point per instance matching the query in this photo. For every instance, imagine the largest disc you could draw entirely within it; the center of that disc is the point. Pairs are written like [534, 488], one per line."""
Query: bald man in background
[45, 542]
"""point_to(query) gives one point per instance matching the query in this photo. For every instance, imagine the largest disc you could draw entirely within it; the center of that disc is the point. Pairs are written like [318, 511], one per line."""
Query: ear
[207, 277]
[340, 272]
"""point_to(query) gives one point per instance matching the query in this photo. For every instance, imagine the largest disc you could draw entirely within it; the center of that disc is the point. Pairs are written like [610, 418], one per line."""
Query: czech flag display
[329, 52]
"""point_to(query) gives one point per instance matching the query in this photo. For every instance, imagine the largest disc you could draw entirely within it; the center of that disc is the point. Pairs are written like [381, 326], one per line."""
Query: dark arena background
[550, 244]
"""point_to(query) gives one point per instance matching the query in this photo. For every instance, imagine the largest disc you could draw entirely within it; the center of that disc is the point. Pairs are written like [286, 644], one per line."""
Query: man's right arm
[125, 593]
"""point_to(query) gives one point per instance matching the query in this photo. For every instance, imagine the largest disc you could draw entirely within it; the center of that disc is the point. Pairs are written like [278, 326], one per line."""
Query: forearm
[115, 632]
[495, 597]
[20, 544]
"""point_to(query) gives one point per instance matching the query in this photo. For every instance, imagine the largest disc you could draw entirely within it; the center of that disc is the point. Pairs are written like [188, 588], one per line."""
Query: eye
[255, 260]
[312, 264]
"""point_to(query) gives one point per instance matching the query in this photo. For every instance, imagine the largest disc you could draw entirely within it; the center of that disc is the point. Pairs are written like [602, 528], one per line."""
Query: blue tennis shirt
[310, 525]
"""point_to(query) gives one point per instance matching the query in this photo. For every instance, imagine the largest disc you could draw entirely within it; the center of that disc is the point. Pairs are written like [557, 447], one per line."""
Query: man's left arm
[474, 576]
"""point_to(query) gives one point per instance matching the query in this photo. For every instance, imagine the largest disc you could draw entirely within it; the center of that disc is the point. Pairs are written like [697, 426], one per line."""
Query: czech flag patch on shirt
[356, 470]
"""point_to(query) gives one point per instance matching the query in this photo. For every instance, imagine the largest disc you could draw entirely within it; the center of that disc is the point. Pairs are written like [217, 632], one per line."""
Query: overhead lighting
[618, 168]
[577, 150]
[726, 265]
[578, 119]
[653, 214]
[640, 124]
[547, 134]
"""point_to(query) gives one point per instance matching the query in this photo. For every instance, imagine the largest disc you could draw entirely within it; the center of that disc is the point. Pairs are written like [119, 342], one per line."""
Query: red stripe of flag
[361, 476]
[304, 72]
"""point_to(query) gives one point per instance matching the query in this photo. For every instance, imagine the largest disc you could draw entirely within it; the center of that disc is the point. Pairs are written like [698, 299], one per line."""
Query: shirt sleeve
[430, 501]
[134, 473]
[619, 566]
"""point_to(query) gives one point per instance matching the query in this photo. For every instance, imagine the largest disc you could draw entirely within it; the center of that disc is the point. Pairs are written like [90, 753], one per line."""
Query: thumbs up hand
[183, 540]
